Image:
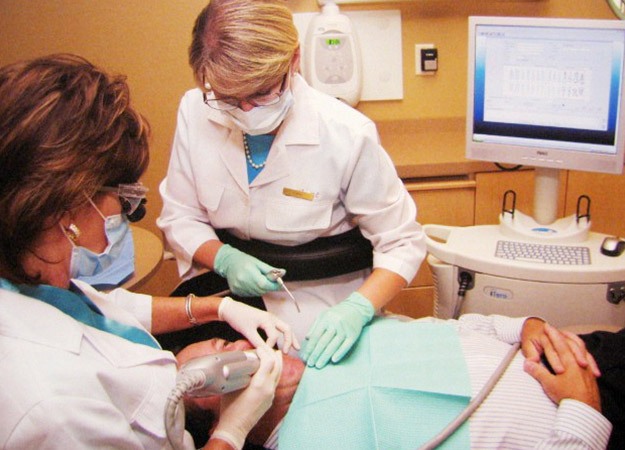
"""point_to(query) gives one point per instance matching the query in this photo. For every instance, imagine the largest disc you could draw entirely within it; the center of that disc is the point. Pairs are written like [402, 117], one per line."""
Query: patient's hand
[534, 340]
[573, 381]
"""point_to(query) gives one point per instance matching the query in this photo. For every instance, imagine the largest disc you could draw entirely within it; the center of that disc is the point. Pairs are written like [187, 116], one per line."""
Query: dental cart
[471, 275]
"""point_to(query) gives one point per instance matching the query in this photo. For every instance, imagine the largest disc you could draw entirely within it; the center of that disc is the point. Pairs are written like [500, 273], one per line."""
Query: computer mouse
[612, 246]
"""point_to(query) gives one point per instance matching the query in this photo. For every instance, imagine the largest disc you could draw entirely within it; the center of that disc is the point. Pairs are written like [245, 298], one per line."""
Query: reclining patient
[406, 380]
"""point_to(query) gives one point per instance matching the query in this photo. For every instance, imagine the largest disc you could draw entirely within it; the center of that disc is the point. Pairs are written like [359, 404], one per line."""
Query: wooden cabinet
[447, 202]
[490, 189]
[607, 195]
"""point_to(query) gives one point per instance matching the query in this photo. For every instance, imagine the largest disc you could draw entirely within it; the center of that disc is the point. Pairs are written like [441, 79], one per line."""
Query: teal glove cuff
[336, 330]
[246, 275]
[362, 304]
[223, 259]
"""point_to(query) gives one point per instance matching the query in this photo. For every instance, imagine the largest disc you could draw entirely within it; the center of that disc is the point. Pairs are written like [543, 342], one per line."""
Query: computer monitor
[547, 93]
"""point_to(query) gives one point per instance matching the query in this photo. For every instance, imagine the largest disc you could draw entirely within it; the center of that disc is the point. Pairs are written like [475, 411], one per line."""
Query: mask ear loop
[95, 207]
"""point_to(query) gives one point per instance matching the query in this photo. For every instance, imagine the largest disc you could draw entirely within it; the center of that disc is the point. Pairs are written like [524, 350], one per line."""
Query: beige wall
[147, 40]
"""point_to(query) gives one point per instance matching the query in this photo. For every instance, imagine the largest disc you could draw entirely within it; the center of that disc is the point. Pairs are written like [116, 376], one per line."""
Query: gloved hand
[247, 320]
[336, 330]
[246, 275]
[241, 410]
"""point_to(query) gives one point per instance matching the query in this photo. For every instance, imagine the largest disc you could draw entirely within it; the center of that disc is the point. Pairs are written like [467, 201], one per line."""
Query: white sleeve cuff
[586, 424]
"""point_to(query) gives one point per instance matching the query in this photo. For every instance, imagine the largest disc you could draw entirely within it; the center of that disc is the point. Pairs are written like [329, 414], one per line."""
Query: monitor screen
[546, 92]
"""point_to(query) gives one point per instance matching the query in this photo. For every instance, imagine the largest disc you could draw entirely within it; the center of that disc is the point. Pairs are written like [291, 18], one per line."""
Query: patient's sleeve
[577, 426]
[505, 329]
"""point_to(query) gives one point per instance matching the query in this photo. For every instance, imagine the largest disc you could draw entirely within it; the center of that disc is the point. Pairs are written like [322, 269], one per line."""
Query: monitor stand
[545, 226]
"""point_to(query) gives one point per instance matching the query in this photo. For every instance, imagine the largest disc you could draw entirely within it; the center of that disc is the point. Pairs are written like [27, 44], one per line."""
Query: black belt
[322, 258]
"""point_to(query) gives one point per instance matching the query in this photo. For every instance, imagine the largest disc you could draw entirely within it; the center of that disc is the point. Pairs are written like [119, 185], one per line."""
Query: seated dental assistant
[262, 164]
[80, 367]
[399, 387]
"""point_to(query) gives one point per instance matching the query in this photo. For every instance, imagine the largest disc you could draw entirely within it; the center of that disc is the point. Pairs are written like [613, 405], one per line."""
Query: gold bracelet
[187, 308]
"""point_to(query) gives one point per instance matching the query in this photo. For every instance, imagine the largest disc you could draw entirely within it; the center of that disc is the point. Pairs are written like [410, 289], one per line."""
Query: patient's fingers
[575, 382]
[582, 356]
[532, 349]
[538, 371]
[533, 329]
[575, 349]
[552, 355]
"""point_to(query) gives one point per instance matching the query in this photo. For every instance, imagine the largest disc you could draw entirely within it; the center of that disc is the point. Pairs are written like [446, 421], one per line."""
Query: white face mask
[262, 119]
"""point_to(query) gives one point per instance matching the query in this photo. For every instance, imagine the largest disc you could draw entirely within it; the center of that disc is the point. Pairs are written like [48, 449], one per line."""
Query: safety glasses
[259, 99]
[132, 198]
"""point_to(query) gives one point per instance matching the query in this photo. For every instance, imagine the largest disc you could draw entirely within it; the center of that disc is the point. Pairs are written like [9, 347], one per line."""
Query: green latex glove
[336, 330]
[246, 275]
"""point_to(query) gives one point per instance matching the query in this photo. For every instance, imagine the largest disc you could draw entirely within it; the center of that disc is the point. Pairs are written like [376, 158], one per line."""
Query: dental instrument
[276, 275]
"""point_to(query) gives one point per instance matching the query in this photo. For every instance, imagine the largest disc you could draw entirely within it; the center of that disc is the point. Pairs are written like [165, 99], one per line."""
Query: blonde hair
[66, 129]
[241, 47]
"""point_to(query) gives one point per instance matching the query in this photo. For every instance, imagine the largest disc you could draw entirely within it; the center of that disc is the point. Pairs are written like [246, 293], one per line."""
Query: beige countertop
[429, 148]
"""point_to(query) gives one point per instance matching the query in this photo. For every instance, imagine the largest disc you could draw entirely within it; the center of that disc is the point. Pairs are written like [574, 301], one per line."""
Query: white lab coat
[66, 385]
[324, 148]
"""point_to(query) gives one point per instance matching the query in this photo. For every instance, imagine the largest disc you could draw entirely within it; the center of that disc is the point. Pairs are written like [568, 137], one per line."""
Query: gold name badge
[298, 194]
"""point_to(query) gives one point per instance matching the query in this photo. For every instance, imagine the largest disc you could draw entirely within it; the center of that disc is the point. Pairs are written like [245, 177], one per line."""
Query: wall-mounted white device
[332, 58]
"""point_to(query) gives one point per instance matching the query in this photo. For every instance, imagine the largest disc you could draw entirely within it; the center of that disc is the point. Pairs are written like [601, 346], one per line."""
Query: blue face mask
[115, 264]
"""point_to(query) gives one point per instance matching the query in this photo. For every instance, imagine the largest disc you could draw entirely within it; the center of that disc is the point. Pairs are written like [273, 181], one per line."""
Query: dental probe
[276, 275]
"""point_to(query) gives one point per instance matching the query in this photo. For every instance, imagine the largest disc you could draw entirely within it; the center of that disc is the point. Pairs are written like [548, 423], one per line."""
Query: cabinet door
[440, 202]
[443, 203]
[413, 302]
[607, 200]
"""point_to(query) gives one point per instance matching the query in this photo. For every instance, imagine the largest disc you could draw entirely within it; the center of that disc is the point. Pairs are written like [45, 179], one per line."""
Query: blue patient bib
[399, 387]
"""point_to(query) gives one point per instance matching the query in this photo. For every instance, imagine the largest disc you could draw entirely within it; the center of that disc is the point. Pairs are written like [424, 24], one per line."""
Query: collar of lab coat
[31, 320]
[301, 124]
[300, 127]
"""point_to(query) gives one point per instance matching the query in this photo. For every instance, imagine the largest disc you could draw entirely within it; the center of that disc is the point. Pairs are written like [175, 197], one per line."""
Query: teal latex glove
[336, 330]
[246, 275]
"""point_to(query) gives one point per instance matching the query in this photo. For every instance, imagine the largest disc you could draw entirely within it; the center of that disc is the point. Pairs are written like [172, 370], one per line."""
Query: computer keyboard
[543, 253]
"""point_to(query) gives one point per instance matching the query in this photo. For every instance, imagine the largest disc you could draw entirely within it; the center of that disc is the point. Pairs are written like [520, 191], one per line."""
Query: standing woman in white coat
[267, 173]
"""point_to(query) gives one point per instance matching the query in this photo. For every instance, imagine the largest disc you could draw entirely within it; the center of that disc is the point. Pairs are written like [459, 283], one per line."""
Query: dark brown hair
[66, 129]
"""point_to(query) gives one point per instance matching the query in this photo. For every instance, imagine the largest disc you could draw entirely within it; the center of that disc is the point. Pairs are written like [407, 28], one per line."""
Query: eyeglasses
[260, 99]
[132, 198]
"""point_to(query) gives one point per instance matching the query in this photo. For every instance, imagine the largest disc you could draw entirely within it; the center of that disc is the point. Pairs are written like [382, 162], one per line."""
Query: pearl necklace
[248, 155]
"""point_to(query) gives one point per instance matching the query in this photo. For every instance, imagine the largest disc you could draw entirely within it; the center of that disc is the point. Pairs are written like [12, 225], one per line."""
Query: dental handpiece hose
[204, 376]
